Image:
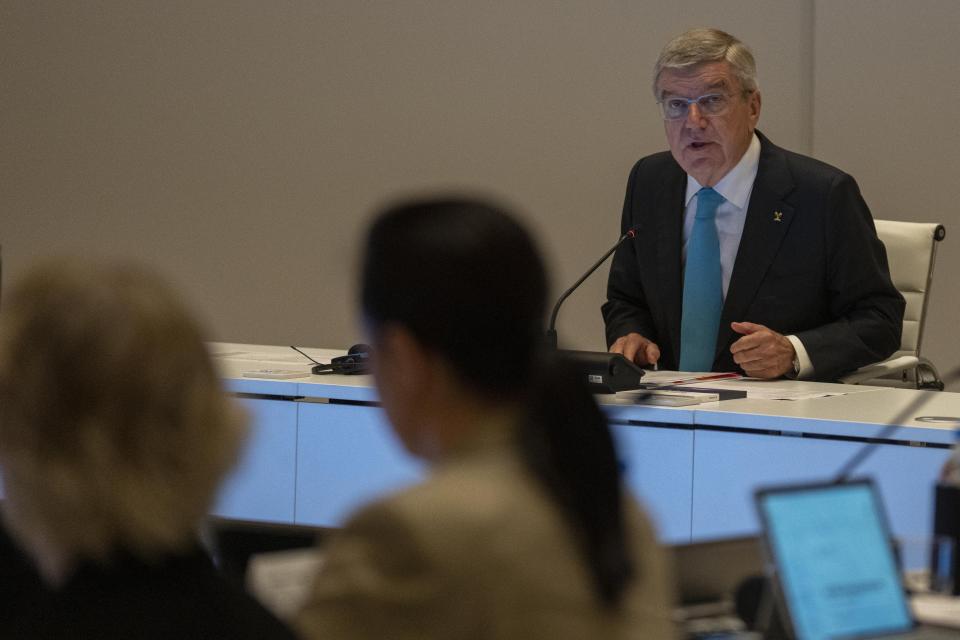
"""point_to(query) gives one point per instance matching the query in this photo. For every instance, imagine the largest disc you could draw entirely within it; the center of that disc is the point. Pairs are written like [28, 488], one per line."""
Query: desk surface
[233, 359]
[694, 468]
[862, 413]
[859, 415]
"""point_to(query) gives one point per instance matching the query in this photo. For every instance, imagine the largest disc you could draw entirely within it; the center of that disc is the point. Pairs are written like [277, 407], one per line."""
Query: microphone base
[605, 372]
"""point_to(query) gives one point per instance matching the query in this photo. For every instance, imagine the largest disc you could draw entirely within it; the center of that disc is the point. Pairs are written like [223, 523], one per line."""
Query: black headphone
[356, 362]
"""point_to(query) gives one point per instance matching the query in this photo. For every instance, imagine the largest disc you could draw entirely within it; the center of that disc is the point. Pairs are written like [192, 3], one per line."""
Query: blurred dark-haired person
[114, 435]
[523, 529]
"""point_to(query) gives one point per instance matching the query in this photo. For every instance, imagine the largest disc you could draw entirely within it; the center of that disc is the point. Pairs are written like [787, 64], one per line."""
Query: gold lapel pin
[778, 216]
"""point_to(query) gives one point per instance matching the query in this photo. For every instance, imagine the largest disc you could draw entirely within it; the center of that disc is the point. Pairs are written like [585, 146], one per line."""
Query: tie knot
[707, 202]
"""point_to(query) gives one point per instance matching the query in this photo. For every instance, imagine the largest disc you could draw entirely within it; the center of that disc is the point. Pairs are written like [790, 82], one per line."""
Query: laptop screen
[834, 560]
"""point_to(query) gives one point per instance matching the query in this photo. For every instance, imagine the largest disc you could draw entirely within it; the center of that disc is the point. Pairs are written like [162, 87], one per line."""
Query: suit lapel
[668, 213]
[768, 220]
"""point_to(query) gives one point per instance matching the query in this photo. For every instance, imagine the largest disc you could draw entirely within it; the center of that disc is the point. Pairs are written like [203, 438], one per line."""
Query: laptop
[833, 563]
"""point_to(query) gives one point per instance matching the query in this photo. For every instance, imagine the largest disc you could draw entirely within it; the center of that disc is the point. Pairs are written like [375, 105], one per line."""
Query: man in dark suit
[748, 257]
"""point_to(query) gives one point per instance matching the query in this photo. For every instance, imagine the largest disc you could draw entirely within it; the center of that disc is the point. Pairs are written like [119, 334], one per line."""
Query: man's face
[706, 146]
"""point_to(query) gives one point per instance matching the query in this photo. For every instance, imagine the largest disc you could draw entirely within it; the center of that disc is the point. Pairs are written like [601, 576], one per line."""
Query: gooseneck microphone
[895, 423]
[552, 327]
[604, 372]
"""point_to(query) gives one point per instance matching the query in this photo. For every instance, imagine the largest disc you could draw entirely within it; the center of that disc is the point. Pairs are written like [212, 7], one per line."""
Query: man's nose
[695, 117]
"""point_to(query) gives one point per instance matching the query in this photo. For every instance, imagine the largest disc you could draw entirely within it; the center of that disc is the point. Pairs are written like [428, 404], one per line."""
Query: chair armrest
[879, 369]
[927, 376]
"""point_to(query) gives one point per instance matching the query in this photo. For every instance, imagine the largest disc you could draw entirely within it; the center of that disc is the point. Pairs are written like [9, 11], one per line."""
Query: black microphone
[864, 452]
[604, 372]
[551, 328]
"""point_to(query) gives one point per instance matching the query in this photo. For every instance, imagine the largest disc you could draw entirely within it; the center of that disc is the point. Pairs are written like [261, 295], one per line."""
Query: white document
[294, 358]
[758, 389]
[276, 374]
[936, 609]
[782, 389]
[281, 580]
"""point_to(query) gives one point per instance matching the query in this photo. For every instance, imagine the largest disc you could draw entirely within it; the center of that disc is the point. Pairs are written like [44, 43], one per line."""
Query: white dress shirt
[735, 187]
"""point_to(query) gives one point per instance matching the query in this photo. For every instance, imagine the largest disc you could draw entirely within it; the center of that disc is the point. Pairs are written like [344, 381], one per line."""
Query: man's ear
[754, 104]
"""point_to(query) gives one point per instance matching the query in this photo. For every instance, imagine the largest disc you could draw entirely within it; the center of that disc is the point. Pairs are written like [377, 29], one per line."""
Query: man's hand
[762, 352]
[636, 348]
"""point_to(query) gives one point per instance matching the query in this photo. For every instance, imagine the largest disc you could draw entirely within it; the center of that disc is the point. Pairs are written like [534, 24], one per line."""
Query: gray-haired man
[749, 257]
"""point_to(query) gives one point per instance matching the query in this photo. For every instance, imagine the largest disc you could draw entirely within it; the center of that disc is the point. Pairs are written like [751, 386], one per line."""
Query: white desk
[320, 447]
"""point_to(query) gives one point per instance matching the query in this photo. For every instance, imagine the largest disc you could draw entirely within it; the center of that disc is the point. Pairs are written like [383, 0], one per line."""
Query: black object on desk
[605, 372]
[725, 394]
[356, 362]
[946, 523]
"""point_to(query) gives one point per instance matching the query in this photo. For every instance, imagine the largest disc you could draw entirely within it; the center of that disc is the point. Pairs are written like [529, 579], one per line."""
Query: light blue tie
[702, 287]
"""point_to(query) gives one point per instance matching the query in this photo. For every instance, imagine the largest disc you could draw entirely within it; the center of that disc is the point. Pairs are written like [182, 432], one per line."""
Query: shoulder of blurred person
[479, 551]
[21, 589]
[175, 596]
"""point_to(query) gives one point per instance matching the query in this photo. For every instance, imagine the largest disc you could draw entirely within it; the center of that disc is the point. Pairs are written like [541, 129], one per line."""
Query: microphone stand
[605, 372]
[552, 327]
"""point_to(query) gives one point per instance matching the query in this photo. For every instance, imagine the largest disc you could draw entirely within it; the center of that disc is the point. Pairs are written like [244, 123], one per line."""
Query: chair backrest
[911, 252]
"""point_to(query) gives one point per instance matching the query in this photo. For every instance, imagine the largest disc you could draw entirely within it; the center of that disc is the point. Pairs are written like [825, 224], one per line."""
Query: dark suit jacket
[177, 596]
[21, 589]
[809, 264]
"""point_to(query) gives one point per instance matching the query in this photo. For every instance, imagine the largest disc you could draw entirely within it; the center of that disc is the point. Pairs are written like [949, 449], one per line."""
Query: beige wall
[885, 79]
[241, 146]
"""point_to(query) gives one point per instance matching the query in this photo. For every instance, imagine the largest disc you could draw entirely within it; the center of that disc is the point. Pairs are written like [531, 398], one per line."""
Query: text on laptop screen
[836, 567]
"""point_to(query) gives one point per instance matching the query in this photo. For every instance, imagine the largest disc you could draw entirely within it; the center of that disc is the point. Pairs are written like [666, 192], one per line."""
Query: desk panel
[345, 454]
[346, 457]
[261, 485]
[728, 466]
[658, 469]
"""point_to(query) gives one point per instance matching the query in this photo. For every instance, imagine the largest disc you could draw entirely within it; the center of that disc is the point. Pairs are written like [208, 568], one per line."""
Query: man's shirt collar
[736, 186]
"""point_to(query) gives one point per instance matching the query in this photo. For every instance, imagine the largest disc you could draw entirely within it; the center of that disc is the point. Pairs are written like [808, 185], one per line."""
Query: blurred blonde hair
[114, 431]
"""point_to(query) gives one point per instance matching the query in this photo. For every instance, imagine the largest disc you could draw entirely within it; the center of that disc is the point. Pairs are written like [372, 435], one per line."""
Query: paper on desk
[281, 580]
[756, 389]
[226, 354]
[663, 377]
[277, 374]
[778, 389]
[936, 609]
[262, 357]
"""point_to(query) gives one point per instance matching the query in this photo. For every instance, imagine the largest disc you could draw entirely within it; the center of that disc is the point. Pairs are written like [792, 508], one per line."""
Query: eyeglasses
[710, 104]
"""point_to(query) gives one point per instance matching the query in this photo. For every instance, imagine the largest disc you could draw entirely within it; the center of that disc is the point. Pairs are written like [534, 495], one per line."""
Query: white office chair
[911, 251]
